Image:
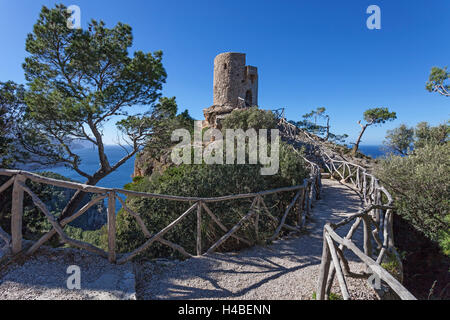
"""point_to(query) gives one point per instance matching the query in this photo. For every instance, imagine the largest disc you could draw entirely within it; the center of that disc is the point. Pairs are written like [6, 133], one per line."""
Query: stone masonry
[235, 86]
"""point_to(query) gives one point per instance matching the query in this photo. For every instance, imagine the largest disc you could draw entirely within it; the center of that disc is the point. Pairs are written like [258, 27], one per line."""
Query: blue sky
[308, 53]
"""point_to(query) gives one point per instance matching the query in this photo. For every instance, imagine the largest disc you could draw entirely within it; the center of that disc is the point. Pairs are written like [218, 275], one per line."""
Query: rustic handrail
[94, 189]
[310, 187]
[374, 213]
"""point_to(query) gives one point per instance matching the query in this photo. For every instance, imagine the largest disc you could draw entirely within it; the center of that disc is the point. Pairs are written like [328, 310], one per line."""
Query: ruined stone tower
[235, 84]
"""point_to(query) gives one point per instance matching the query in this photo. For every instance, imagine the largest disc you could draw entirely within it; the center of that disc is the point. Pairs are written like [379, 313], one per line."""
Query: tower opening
[248, 98]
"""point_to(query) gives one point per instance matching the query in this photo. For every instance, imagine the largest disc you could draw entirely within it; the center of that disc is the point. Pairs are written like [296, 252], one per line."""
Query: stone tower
[235, 84]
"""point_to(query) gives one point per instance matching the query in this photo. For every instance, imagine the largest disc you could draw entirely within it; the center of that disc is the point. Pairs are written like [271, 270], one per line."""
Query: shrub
[419, 185]
[207, 181]
[35, 224]
[211, 181]
[250, 118]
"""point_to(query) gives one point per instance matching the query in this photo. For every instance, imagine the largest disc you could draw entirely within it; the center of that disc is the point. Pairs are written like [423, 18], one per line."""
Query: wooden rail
[377, 224]
[376, 217]
[304, 196]
[377, 213]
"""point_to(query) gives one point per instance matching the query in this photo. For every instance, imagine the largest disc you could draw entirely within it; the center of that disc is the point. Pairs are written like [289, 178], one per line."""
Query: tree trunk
[356, 145]
[76, 200]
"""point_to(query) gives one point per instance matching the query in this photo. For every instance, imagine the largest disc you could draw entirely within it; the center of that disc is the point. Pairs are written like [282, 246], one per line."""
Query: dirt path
[287, 269]
[44, 276]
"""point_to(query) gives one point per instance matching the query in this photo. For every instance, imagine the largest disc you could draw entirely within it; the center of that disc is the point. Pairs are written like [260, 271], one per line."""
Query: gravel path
[44, 277]
[287, 269]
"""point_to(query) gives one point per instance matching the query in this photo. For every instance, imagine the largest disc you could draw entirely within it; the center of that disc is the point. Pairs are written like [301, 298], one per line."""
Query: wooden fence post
[301, 203]
[16, 215]
[391, 230]
[309, 195]
[367, 238]
[257, 207]
[199, 228]
[324, 269]
[112, 227]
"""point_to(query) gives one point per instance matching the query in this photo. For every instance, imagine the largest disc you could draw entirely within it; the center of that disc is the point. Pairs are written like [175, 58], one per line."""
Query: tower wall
[234, 80]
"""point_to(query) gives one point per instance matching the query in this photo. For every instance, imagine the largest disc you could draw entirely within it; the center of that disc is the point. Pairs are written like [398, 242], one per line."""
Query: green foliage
[166, 123]
[332, 296]
[392, 265]
[378, 116]
[426, 134]
[35, 224]
[11, 106]
[80, 79]
[400, 139]
[206, 181]
[250, 118]
[419, 184]
[373, 116]
[98, 238]
[310, 124]
[438, 81]
[403, 139]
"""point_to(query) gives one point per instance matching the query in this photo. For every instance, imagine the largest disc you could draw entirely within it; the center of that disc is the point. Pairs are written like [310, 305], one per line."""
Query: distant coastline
[90, 164]
[374, 151]
[122, 176]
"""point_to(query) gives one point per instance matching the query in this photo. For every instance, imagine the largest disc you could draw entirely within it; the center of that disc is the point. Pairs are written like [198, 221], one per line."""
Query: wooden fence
[304, 196]
[377, 224]
[376, 217]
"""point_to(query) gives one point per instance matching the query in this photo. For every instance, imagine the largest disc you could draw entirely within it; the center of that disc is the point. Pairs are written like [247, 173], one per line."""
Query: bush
[250, 118]
[211, 181]
[35, 224]
[207, 181]
[419, 185]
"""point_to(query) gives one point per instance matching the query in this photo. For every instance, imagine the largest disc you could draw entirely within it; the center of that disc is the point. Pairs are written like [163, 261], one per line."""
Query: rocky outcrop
[93, 219]
[148, 163]
[215, 114]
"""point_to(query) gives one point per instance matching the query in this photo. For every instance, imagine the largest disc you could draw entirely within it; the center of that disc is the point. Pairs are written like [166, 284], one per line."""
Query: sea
[122, 176]
[90, 164]
[374, 151]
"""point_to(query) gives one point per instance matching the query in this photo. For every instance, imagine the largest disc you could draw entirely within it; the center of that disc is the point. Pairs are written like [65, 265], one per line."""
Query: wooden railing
[376, 217]
[304, 196]
[377, 224]
[377, 213]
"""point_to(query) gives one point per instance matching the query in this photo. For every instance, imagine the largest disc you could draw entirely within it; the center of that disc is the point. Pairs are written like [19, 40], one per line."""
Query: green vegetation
[77, 81]
[250, 118]
[392, 265]
[210, 181]
[35, 224]
[400, 139]
[419, 183]
[332, 296]
[438, 81]
[310, 124]
[403, 140]
[373, 117]
[11, 105]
